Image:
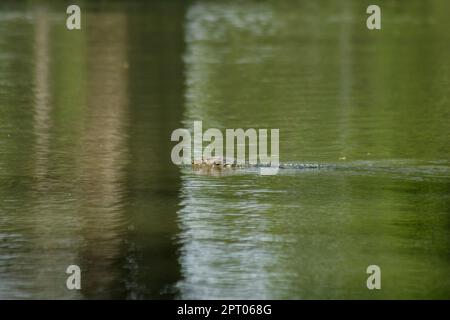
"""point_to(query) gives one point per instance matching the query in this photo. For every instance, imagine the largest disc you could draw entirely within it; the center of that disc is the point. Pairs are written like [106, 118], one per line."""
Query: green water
[85, 170]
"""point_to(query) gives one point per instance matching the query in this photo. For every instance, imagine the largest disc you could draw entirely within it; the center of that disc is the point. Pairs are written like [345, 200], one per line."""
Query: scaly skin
[217, 163]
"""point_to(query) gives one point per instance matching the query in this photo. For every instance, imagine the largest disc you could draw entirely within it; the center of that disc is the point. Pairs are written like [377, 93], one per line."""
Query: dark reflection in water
[156, 93]
[85, 171]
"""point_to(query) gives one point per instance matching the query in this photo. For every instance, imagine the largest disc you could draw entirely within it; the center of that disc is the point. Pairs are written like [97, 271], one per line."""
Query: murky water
[85, 170]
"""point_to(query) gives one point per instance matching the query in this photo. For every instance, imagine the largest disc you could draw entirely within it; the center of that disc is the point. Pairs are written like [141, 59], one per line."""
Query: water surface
[85, 170]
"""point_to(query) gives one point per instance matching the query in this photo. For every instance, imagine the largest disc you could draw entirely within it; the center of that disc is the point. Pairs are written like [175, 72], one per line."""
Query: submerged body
[218, 163]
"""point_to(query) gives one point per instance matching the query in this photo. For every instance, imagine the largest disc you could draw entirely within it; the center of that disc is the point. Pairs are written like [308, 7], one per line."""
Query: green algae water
[85, 170]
